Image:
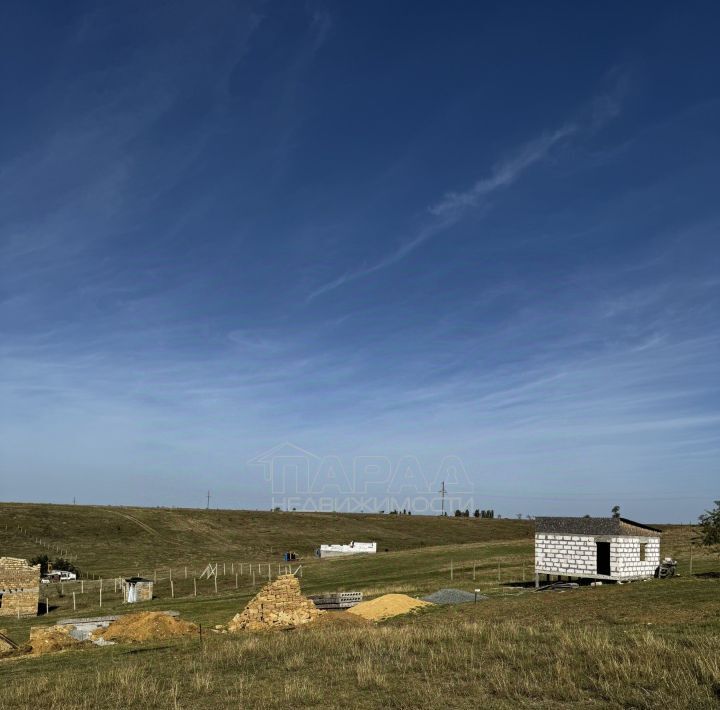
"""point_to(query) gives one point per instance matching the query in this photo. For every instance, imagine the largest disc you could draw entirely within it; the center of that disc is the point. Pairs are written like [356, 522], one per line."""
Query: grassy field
[112, 540]
[644, 645]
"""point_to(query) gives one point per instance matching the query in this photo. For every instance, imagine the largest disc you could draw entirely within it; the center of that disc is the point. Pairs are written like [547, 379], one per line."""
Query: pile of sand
[49, 639]
[146, 626]
[386, 606]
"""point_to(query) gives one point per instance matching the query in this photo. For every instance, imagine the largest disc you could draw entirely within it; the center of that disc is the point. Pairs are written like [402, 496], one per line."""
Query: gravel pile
[452, 596]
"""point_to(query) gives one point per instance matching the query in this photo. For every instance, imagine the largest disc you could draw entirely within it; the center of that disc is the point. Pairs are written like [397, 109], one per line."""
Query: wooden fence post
[194, 586]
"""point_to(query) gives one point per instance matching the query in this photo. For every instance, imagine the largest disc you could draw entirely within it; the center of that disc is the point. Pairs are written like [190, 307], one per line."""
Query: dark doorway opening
[603, 557]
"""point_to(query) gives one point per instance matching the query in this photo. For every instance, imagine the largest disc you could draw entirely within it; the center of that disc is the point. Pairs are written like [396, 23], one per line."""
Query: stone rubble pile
[278, 605]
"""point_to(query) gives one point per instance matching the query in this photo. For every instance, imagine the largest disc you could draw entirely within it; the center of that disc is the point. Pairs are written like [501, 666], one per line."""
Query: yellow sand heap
[278, 605]
[386, 606]
[49, 639]
[146, 626]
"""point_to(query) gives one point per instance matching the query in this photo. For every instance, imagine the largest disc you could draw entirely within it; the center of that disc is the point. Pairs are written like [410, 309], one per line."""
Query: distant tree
[476, 513]
[458, 513]
[59, 563]
[586, 516]
[43, 561]
[466, 514]
[616, 511]
[409, 512]
[65, 565]
[519, 516]
[709, 531]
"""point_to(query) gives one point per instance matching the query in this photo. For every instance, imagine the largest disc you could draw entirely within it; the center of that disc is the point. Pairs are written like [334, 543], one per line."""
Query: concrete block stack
[278, 605]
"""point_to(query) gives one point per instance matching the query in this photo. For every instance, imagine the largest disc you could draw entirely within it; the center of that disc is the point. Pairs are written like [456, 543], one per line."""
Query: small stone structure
[279, 604]
[137, 589]
[19, 587]
[595, 548]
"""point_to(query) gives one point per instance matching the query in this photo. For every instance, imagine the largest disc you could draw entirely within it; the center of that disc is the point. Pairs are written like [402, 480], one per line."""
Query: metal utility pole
[442, 494]
[208, 500]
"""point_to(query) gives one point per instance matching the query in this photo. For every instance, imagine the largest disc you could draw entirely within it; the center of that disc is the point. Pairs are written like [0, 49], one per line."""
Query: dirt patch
[341, 619]
[50, 639]
[146, 626]
[387, 606]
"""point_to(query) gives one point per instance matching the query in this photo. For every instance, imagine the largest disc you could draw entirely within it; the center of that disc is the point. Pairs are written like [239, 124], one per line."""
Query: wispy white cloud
[454, 205]
[451, 208]
[504, 174]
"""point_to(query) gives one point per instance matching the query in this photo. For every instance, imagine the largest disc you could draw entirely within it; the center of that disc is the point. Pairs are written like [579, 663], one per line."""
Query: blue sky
[483, 231]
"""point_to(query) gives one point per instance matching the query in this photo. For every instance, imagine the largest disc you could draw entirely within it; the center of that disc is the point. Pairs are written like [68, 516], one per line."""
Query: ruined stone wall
[576, 555]
[19, 587]
[279, 604]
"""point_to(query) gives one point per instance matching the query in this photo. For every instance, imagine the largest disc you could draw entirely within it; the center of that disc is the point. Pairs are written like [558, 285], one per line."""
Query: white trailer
[354, 548]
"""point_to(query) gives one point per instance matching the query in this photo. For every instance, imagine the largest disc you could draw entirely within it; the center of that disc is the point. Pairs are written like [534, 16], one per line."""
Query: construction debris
[387, 606]
[145, 626]
[453, 596]
[336, 600]
[278, 605]
[7, 645]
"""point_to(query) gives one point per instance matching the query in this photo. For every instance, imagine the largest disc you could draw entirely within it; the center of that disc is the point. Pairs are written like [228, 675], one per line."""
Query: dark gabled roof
[593, 526]
[135, 580]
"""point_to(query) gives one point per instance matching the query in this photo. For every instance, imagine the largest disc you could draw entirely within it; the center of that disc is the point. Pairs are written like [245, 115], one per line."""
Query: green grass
[643, 645]
[112, 540]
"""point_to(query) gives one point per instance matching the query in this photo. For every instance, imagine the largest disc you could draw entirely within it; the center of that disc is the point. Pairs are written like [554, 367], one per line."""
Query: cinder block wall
[576, 555]
[19, 587]
[625, 557]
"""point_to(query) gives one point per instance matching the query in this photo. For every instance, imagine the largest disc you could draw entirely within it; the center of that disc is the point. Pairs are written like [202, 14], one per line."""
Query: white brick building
[595, 548]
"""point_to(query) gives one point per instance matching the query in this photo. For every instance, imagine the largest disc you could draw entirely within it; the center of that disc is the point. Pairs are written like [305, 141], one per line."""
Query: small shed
[615, 549]
[137, 589]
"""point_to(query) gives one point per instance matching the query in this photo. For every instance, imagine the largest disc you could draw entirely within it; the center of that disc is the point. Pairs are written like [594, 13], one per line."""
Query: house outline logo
[287, 467]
